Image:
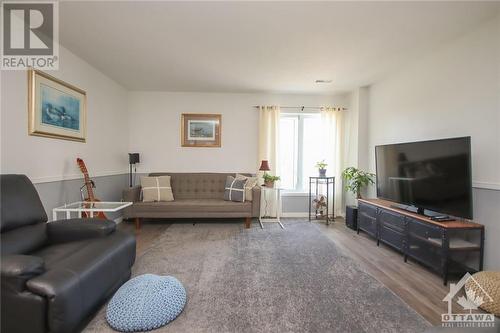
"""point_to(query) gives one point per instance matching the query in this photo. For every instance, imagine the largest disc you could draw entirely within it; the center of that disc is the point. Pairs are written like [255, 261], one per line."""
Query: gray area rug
[271, 280]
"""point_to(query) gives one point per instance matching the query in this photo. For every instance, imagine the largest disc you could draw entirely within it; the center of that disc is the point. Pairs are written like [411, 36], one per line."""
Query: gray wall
[451, 92]
[55, 194]
[487, 212]
[295, 204]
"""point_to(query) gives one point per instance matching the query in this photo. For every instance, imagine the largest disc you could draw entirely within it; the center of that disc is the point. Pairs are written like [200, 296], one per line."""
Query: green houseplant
[357, 179]
[322, 168]
[269, 179]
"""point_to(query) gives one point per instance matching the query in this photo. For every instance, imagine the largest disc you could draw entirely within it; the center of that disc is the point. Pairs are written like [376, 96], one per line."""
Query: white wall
[453, 91]
[46, 159]
[155, 128]
[356, 136]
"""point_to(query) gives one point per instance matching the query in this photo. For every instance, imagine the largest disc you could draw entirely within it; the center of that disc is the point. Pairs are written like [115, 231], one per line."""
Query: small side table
[329, 194]
[264, 202]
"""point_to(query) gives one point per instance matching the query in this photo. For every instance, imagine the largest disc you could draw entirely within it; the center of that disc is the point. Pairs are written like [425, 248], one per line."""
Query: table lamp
[264, 166]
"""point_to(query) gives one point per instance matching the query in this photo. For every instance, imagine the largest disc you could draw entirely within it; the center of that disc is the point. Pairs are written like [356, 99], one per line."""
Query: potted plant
[357, 179]
[269, 179]
[322, 168]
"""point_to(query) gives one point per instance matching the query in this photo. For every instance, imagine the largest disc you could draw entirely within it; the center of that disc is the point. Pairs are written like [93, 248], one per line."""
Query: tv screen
[433, 175]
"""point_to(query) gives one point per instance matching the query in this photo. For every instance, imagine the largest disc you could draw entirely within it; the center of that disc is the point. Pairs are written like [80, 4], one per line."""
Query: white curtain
[332, 146]
[269, 119]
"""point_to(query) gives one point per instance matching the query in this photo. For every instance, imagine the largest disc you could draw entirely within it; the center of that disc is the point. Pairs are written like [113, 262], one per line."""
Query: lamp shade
[133, 158]
[264, 166]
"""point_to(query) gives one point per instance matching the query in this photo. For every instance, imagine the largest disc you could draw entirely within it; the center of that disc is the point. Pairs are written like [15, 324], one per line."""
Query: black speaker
[133, 158]
[351, 217]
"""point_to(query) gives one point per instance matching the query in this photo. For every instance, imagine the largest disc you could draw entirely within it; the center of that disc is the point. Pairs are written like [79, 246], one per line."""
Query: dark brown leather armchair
[56, 275]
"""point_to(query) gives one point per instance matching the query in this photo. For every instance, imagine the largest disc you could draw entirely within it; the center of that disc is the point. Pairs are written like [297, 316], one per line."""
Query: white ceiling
[260, 46]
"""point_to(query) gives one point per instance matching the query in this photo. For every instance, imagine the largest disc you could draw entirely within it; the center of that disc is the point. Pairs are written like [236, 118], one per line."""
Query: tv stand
[421, 211]
[411, 209]
[445, 247]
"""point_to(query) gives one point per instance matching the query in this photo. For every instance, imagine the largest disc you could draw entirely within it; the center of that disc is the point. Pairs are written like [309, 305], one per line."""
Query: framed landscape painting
[200, 130]
[56, 108]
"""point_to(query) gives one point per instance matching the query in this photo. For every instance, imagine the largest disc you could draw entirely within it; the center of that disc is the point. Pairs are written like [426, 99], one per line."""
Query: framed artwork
[200, 130]
[56, 109]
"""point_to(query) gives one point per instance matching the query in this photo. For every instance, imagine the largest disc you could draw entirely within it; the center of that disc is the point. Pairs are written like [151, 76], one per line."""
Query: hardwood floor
[420, 288]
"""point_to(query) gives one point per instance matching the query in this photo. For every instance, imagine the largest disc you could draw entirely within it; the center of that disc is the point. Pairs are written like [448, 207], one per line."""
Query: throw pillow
[234, 189]
[251, 183]
[156, 189]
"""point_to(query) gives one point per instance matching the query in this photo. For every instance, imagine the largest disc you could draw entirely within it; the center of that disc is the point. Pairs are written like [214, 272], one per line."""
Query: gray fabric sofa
[196, 195]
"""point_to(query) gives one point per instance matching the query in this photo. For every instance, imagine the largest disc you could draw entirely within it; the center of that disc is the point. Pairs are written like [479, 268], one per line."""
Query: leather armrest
[132, 194]
[62, 289]
[78, 229]
[17, 269]
[256, 201]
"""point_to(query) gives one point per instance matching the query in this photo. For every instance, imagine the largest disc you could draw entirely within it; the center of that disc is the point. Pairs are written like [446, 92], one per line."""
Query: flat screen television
[433, 175]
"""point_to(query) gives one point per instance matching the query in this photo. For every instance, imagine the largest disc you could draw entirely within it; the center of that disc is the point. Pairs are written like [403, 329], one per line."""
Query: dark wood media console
[446, 247]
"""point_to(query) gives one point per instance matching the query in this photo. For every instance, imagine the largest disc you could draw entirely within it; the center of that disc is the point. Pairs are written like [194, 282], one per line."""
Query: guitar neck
[88, 182]
[88, 185]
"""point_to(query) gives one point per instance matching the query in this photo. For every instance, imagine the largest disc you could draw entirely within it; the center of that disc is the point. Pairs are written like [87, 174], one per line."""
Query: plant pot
[269, 184]
[322, 172]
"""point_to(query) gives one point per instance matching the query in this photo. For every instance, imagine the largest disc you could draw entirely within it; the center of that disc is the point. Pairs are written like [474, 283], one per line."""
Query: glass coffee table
[89, 207]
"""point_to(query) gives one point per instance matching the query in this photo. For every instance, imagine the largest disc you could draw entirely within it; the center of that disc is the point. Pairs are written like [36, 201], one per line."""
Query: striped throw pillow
[235, 189]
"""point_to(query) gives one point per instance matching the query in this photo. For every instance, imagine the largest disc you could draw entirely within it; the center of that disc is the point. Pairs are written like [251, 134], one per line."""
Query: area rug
[270, 280]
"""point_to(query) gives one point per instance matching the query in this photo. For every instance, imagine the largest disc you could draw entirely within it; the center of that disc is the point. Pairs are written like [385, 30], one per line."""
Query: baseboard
[294, 214]
[304, 214]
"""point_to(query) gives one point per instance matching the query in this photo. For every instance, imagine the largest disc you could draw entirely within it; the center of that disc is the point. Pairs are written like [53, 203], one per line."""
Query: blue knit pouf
[146, 302]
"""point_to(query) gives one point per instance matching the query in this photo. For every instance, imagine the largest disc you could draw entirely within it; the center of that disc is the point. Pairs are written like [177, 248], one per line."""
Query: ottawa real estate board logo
[469, 296]
[30, 35]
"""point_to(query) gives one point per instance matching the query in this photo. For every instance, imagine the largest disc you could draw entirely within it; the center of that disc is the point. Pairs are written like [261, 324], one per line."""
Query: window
[300, 149]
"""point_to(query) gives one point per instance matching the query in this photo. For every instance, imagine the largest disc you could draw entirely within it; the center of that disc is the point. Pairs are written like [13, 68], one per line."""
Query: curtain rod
[303, 107]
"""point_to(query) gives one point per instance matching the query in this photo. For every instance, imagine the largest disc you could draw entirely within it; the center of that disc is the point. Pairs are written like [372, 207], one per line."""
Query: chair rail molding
[50, 179]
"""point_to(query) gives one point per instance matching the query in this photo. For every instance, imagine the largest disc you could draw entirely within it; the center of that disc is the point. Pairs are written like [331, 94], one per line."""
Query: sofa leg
[248, 222]
[137, 223]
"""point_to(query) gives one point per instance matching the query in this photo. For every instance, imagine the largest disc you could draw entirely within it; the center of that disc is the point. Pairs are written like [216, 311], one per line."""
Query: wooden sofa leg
[248, 222]
[137, 223]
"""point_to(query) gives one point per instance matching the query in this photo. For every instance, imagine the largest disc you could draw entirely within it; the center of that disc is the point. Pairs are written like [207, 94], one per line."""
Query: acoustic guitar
[89, 185]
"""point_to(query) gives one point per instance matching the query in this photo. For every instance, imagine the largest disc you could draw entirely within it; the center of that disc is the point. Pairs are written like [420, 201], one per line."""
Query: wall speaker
[133, 158]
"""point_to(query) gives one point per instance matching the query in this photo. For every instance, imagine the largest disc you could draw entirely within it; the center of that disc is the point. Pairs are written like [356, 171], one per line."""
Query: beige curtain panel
[332, 146]
[269, 120]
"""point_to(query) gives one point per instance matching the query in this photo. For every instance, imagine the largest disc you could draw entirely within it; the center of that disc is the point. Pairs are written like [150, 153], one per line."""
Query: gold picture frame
[201, 130]
[56, 109]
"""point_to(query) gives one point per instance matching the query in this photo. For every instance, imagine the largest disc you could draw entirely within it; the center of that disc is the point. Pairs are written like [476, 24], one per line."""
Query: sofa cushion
[194, 205]
[156, 189]
[23, 240]
[54, 254]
